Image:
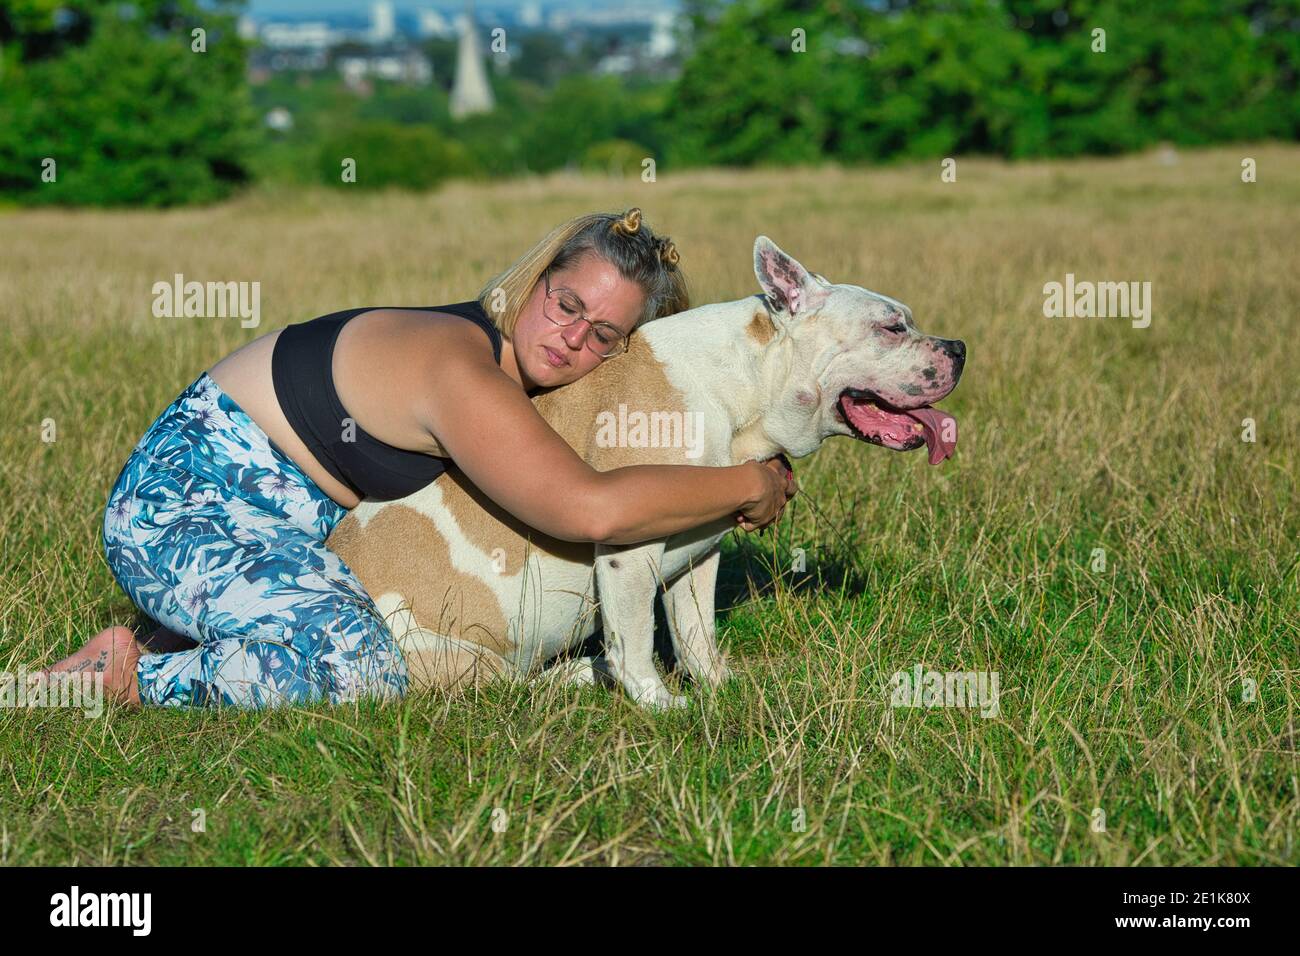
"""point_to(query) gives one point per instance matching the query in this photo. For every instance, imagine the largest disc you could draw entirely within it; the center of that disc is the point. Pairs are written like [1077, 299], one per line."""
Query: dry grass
[1121, 691]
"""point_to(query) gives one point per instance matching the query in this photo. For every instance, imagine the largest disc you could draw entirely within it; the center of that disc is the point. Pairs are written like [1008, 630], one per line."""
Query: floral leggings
[215, 533]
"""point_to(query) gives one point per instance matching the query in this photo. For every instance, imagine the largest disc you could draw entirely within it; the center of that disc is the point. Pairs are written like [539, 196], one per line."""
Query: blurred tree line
[113, 95]
[1014, 78]
[113, 92]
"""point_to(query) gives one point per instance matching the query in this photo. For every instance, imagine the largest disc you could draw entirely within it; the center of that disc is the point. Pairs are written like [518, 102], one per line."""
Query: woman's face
[550, 355]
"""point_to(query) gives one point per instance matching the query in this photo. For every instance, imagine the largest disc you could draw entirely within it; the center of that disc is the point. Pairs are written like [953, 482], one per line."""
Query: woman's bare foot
[114, 653]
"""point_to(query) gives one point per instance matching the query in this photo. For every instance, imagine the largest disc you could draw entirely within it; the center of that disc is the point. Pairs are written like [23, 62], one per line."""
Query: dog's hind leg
[688, 606]
[627, 577]
[434, 659]
[437, 661]
[580, 672]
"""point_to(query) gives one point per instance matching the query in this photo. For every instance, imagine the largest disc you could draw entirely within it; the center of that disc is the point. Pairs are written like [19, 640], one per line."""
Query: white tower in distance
[470, 93]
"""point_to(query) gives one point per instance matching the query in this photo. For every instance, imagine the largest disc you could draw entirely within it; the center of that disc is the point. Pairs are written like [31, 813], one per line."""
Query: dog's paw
[575, 673]
[661, 698]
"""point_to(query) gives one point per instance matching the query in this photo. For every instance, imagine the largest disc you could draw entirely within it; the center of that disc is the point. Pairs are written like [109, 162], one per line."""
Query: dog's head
[849, 361]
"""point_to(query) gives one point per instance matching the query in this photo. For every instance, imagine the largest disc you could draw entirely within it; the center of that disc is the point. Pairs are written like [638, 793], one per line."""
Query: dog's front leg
[627, 577]
[688, 605]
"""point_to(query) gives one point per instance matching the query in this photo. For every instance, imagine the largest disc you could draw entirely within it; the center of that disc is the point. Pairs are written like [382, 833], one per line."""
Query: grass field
[1127, 732]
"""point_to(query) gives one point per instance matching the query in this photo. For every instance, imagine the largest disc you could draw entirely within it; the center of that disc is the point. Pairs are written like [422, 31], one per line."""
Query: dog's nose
[956, 350]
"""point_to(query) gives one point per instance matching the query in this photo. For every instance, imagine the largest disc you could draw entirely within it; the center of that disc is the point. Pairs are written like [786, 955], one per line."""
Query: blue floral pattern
[215, 533]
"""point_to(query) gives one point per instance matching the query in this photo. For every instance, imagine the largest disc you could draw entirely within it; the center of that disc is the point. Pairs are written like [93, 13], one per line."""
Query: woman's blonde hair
[624, 240]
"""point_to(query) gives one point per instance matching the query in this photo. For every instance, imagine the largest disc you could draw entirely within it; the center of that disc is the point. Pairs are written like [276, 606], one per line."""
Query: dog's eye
[895, 327]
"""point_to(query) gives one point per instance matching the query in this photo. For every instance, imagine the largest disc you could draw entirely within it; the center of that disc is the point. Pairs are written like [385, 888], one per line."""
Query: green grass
[1121, 691]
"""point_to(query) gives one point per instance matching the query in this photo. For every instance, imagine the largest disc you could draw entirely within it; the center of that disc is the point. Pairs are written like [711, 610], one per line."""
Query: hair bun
[668, 252]
[630, 223]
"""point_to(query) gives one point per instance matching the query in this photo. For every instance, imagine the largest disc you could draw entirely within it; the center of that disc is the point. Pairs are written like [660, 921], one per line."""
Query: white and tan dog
[472, 594]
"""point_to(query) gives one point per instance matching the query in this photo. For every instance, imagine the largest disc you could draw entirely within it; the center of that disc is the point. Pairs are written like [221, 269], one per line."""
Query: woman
[216, 525]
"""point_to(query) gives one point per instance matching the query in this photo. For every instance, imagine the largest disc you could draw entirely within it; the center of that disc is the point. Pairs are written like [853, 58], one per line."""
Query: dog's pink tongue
[940, 431]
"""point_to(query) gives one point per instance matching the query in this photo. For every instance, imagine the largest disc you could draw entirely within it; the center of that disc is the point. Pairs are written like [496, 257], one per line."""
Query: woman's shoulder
[446, 334]
[390, 363]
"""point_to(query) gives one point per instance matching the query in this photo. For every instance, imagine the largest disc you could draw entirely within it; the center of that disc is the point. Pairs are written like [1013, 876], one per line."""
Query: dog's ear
[790, 287]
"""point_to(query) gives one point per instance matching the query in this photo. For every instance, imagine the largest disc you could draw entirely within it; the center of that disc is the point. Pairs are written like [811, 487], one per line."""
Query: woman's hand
[777, 486]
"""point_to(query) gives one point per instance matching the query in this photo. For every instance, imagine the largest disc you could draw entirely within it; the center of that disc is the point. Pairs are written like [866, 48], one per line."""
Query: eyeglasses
[563, 308]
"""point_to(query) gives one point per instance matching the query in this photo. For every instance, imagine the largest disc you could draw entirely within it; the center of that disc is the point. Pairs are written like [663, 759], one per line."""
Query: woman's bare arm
[490, 428]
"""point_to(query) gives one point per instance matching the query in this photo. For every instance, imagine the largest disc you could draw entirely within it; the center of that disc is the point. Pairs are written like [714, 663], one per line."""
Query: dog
[472, 594]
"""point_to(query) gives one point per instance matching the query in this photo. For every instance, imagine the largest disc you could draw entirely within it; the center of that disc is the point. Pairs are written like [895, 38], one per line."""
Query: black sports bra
[302, 372]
